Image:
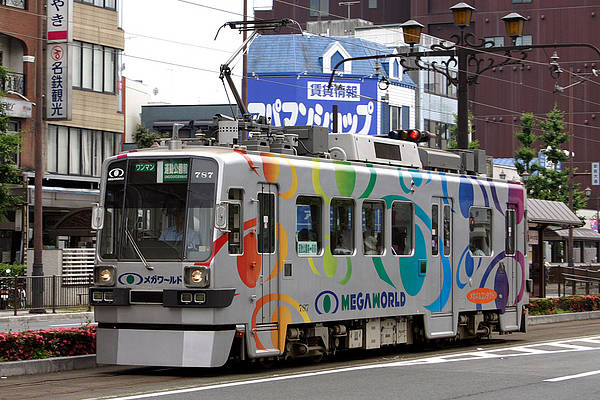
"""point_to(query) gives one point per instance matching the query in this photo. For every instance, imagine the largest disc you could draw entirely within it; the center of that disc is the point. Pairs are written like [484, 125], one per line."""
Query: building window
[14, 3]
[480, 231]
[441, 129]
[521, 1]
[496, 41]
[342, 227]
[525, 40]
[75, 151]
[110, 4]
[372, 3]
[438, 84]
[395, 117]
[319, 8]
[94, 67]
[308, 225]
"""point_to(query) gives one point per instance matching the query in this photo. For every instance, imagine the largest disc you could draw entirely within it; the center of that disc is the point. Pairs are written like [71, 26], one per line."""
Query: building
[503, 93]
[288, 83]
[77, 138]
[136, 95]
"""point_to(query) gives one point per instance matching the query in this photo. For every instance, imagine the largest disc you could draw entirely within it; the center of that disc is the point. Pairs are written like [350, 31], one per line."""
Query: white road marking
[565, 378]
[518, 351]
[68, 324]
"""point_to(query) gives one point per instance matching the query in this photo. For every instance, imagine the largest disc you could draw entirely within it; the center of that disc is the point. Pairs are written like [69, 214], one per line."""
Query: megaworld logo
[327, 302]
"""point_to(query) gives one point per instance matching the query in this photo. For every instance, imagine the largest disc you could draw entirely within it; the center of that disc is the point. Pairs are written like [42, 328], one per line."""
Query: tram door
[268, 250]
[510, 249]
[441, 256]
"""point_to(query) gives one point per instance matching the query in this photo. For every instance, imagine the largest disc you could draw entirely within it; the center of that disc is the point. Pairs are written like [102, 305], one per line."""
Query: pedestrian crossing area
[553, 347]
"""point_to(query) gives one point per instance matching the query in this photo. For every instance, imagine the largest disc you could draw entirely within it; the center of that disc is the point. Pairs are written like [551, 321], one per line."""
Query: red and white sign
[60, 21]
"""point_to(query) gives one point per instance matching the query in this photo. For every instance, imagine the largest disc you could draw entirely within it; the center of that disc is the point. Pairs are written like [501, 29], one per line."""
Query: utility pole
[38, 266]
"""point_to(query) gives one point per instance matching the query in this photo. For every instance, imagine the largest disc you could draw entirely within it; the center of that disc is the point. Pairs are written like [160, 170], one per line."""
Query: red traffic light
[411, 135]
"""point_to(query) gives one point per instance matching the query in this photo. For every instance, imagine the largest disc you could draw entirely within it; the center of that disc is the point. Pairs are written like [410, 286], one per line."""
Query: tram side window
[480, 231]
[511, 225]
[372, 227]
[402, 223]
[342, 226]
[236, 232]
[434, 229]
[447, 229]
[308, 226]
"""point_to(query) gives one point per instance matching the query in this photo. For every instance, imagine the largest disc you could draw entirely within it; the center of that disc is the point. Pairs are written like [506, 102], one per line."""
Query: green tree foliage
[526, 136]
[9, 147]
[547, 183]
[145, 137]
[452, 143]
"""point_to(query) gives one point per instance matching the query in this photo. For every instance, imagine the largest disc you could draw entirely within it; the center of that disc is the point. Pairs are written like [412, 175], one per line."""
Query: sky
[179, 36]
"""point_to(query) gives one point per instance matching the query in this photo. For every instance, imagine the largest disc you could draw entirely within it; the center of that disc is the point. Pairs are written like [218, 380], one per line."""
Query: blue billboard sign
[307, 100]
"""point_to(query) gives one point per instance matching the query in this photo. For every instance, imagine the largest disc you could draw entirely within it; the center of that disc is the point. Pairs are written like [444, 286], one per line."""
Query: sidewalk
[25, 321]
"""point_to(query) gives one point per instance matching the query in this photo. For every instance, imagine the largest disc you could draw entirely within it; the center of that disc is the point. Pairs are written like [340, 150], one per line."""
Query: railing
[14, 3]
[16, 292]
[14, 81]
[580, 279]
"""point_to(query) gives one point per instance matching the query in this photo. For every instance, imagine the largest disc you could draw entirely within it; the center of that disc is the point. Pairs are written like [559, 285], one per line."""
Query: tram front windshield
[159, 209]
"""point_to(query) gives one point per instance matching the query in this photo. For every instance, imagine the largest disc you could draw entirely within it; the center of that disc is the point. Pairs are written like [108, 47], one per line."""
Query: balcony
[14, 3]
[15, 82]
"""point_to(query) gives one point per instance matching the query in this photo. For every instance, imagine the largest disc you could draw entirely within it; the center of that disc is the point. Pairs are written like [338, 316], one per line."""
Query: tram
[299, 243]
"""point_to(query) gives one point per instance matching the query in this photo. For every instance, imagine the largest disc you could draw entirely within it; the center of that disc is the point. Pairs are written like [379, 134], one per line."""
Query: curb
[566, 317]
[48, 365]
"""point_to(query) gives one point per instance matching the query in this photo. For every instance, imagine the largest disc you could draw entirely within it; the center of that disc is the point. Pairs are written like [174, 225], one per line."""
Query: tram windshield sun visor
[166, 206]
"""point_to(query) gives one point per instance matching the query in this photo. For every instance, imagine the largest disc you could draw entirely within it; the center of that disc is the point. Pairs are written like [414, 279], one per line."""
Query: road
[556, 361]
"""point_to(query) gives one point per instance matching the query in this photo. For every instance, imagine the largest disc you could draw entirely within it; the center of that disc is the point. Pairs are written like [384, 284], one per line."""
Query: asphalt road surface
[554, 361]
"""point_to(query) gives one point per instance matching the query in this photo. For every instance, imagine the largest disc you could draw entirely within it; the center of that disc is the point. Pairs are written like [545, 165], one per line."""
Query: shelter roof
[551, 213]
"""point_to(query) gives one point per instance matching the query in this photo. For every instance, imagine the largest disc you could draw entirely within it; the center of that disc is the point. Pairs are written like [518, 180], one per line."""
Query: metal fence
[16, 292]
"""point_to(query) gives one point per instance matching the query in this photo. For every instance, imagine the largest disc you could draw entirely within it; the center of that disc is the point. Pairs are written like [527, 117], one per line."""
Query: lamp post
[465, 53]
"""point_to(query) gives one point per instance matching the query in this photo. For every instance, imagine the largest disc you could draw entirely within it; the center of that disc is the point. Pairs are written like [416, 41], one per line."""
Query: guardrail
[57, 292]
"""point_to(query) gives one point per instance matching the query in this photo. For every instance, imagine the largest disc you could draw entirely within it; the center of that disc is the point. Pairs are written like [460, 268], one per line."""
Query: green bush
[564, 304]
[15, 270]
[47, 343]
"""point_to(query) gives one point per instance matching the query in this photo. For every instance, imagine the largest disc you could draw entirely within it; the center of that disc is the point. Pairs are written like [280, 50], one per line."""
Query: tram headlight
[197, 276]
[104, 275]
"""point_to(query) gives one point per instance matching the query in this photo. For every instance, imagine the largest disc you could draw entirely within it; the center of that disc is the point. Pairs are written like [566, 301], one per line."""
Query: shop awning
[551, 213]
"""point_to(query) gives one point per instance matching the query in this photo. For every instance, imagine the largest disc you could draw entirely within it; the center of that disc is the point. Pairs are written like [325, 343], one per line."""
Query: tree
[452, 143]
[547, 183]
[526, 136]
[145, 137]
[9, 147]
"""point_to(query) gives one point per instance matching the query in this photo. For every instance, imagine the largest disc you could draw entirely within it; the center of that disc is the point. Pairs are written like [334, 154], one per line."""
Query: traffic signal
[411, 135]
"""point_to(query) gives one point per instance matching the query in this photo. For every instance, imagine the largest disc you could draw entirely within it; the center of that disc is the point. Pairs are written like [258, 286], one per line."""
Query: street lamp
[412, 32]
[462, 14]
[514, 25]
[466, 57]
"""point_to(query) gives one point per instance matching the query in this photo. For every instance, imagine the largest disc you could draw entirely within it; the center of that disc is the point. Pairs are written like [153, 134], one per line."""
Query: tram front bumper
[164, 347]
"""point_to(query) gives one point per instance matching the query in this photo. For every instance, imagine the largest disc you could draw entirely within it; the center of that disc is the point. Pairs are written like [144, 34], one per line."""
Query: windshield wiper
[137, 250]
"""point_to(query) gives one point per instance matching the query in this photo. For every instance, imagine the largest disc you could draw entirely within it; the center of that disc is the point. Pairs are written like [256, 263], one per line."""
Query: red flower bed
[47, 343]
[564, 304]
